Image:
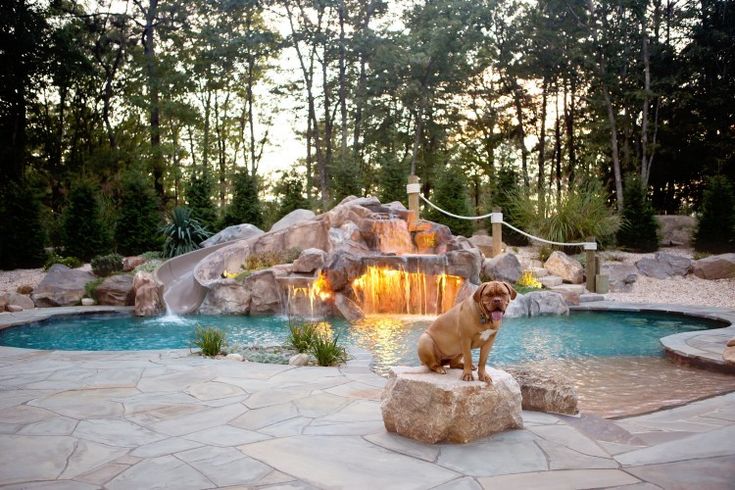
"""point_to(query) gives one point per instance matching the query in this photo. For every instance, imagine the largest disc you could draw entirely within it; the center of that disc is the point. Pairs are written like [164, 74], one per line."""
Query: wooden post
[413, 190]
[497, 224]
[591, 266]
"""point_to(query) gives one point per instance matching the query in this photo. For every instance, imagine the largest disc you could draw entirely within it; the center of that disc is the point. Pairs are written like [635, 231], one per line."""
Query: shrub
[84, 233]
[638, 231]
[451, 195]
[70, 262]
[245, 205]
[715, 231]
[290, 192]
[137, 226]
[199, 192]
[264, 260]
[22, 237]
[152, 255]
[92, 286]
[393, 178]
[183, 234]
[505, 186]
[583, 212]
[302, 336]
[545, 252]
[104, 265]
[210, 340]
[327, 352]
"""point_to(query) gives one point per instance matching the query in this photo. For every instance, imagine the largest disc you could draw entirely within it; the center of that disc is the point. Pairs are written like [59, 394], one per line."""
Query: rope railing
[496, 217]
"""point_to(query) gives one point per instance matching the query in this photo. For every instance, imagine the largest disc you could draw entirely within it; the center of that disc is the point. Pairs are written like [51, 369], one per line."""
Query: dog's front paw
[485, 377]
[468, 377]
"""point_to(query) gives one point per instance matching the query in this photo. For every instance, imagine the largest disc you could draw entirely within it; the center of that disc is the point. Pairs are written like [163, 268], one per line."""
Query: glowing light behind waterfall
[397, 291]
[317, 290]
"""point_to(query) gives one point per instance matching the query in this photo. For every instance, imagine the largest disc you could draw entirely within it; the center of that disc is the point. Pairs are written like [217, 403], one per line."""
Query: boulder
[728, 355]
[569, 269]
[545, 392]
[431, 407]
[348, 232]
[484, 243]
[517, 308]
[342, 268]
[62, 286]
[549, 281]
[88, 302]
[302, 359]
[116, 291]
[24, 289]
[14, 308]
[676, 230]
[664, 265]
[505, 267]
[715, 267]
[465, 263]
[303, 235]
[348, 308]
[130, 263]
[621, 276]
[546, 303]
[431, 238]
[14, 299]
[310, 260]
[466, 290]
[295, 217]
[226, 297]
[235, 232]
[234, 357]
[265, 293]
[148, 294]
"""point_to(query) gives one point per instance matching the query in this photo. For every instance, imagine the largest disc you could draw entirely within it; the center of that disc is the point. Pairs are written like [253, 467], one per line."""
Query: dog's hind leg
[429, 354]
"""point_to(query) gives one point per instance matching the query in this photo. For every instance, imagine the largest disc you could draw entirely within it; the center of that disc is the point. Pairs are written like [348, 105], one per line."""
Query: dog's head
[494, 297]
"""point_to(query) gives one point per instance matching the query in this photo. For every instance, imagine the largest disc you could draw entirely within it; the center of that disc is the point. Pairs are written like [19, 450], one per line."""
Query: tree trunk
[521, 134]
[416, 140]
[342, 82]
[540, 184]
[569, 122]
[646, 99]
[149, 51]
[557, 148]
[326, 162]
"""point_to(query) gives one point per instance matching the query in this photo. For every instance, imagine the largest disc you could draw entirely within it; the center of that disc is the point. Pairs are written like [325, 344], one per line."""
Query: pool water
[391, 340]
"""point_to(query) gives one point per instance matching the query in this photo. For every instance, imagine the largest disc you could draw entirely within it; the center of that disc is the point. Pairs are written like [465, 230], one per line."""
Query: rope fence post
[496, 218]
[413, 188]
[591, 267]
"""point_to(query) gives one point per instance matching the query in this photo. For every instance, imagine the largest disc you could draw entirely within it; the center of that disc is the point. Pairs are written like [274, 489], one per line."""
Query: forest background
[112, 114]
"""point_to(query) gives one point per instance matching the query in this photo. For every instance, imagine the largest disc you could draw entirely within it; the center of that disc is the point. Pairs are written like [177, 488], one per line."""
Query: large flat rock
[432, 407]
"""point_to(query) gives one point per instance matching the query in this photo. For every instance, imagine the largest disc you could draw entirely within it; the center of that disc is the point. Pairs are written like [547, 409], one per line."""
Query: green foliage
[302, 336]
[544, 252]
[105, 265]
[638, 230]
[210, 340]
[70, 262]
[346, 178]
[245, 205]
[139, 220]
[581, 213]
[21, 234]
[290, 193]
[715, 231]
[393, 178]
[152, 255]
[451, 195]
[199, 192]
[327, 352]
[505, 186]
[183, 233]
[264, 260]
[84, 232]
[92, 286]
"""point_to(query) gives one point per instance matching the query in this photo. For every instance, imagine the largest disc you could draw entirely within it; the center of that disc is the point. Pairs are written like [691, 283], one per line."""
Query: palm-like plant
[183, 233]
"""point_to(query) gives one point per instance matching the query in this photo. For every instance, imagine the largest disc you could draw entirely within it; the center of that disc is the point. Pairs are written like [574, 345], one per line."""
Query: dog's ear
[511, 291]
[478, 292]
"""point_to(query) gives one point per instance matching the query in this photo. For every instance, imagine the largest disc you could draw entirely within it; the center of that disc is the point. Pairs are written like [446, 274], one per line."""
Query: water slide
[182, 293]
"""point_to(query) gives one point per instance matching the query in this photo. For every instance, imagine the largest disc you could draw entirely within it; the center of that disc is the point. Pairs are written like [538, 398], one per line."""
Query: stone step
[550, 281]
[571, 288]
[539, 272]
[591, 297]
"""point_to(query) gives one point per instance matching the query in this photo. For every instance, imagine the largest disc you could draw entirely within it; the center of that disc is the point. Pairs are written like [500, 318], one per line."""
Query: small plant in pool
[210, 340]
[327, 352]
[302, 336]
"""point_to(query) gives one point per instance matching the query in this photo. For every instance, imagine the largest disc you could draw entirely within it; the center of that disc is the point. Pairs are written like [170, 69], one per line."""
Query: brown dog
[471, 324]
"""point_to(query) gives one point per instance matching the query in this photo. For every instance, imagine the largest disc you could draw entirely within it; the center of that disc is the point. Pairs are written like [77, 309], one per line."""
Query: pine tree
[639, 229]
[451, 195]
[21, 234]
[290, 190]
[505, 187]
[199, 193]
[84, 233]
[393, 179]
[245, 205]
[138, 226]
[716, 225]
[346, 179]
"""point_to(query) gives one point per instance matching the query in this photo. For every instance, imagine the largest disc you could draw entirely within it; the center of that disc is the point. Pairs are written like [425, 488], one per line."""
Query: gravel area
[10, 280]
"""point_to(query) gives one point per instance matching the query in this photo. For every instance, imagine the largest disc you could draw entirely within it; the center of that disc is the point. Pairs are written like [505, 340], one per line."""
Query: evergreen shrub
[715, 231]
[506, 185]
[199, 192]
[21, 235]
[105, 265]
[245, 205]
[140, 219]
[84, 232]
[639, 230]
[451, 195]
[70, 262]
[393, 178]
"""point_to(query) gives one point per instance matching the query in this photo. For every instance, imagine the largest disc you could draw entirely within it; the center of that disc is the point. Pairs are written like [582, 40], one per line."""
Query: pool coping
[701, 349]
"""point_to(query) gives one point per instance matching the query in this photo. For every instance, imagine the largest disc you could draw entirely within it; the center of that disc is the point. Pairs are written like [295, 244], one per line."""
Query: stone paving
[159, 419]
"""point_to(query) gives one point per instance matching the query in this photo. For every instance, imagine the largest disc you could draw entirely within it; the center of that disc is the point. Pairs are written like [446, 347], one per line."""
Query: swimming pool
[391, 340]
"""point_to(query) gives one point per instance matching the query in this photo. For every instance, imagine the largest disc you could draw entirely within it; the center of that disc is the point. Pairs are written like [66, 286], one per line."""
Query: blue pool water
[391, 340]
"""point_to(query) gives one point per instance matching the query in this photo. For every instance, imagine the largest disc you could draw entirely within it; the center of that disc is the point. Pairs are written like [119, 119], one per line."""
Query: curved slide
[182, 293]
